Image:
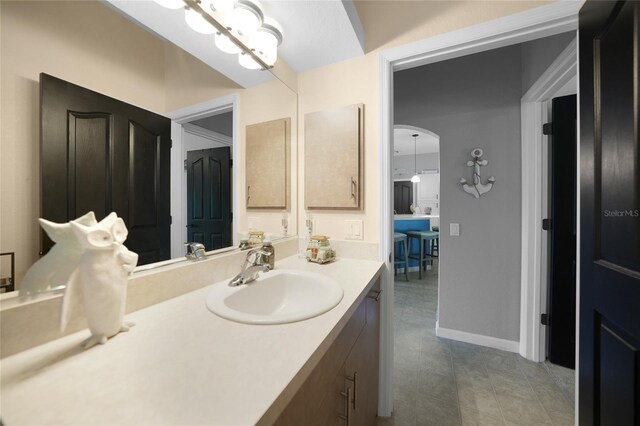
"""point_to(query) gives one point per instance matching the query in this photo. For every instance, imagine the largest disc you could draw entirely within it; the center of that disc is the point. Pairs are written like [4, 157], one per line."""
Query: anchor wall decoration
[478, 188]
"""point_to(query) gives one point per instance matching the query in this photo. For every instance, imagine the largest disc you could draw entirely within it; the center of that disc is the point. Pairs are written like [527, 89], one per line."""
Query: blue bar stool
[435, 243]
[401, 253]
[424, 253]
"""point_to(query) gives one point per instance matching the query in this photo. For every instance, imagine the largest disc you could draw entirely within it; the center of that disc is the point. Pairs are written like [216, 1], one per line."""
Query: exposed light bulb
[248, 62]
[197, 22]
[267, 44]
[219, 9]
[170, 4]
[223, 6]
[244, 21]
[225, 44]
[415, 179]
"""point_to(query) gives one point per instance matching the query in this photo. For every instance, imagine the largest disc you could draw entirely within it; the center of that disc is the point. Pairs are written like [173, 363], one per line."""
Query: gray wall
[221, 123]
[537, 55]
[474, 101]
[471, 102]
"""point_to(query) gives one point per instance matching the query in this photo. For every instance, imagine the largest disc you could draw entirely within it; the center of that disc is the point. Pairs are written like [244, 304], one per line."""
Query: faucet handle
[195, 251]
[257, 251]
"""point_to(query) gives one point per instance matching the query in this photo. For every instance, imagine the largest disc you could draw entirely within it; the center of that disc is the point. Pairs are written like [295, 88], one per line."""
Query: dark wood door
[209, 197]
[100, 154]
[562, 232]
[609, 363]
[402, 197]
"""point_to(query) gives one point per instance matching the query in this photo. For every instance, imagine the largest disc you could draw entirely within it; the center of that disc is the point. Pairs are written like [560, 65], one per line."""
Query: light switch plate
[353, 230]
[454, 229]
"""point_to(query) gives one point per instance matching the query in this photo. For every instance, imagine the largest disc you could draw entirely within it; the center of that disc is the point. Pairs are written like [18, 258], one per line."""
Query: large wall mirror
[67, 51]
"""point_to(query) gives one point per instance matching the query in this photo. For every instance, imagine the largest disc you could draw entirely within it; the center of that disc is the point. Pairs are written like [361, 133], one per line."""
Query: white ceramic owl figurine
[102, 275]
[55, 267]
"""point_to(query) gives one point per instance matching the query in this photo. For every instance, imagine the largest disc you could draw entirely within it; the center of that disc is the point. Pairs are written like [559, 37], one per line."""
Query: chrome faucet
[195, 251]
[251, 267]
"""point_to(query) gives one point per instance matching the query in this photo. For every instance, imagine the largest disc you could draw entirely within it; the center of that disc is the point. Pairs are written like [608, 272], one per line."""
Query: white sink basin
[276, 297]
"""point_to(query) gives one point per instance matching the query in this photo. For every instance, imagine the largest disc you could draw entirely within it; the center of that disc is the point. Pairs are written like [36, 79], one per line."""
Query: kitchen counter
[180, 364]
[414, 216]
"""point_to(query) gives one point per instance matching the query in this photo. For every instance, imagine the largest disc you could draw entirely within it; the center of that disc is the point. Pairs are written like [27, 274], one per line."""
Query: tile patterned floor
[443, 382]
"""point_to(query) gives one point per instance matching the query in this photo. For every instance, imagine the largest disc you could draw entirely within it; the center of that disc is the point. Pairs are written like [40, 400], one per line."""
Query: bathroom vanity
[182, 364]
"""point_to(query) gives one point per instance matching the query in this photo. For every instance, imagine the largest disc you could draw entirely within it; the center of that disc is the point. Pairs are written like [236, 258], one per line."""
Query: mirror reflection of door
[402, 197]
[100, 154]
[209, 197]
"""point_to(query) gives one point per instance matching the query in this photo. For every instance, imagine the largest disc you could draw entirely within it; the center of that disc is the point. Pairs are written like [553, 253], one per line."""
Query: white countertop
[180, 364]
[414, 216]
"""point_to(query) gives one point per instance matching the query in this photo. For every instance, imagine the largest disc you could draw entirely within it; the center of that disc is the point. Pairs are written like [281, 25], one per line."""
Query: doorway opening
[480, 277]
[204, 147]
[207, 144]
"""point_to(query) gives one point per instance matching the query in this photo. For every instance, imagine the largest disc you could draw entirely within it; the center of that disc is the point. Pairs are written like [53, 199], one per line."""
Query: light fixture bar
[195, 5]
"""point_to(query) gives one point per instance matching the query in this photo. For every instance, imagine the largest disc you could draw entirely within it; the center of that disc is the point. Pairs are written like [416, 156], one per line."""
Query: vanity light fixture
[415, 178]
[239, 27]
[197, 22]
[171, 4]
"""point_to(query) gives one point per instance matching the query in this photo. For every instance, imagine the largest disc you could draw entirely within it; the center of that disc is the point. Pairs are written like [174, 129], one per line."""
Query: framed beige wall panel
[268, 167]
[333, 158]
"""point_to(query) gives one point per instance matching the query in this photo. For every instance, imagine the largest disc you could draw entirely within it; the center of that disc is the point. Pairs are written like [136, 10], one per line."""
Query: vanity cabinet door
[319, 401]
[361, 367]
[342, 390]
[333, 158]
[268, 164]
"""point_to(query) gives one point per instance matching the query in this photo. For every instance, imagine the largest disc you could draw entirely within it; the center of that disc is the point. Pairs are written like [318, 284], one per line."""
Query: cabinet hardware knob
[248, 196]
[346, 417]
[354, 379]
[375, 294]
[354, 189]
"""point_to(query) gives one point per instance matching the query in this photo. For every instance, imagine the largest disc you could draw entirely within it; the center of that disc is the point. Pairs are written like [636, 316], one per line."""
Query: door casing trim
[533, 272]
[535, 23]
[183, 116]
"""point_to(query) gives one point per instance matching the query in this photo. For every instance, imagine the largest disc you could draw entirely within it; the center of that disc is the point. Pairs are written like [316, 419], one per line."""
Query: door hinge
[170, 143]
[545, 319]
[185, 164]
[547, 129]
[231, 162]
[170, 220]
[231, 215]
[546, 224]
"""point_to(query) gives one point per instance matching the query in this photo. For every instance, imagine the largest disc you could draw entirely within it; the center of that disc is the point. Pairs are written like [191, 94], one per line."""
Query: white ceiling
[426, 143]
[315, 33]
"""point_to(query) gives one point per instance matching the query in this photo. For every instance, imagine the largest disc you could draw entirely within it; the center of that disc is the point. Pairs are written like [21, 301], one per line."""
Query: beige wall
[392, 23]
[189, 81]
[387, 24]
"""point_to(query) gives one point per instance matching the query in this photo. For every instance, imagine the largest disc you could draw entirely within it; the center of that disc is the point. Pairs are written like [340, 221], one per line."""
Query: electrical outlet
[454, 229]
[353, 230]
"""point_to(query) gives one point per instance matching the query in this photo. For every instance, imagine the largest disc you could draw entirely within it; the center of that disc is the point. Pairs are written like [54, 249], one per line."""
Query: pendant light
[415, 178]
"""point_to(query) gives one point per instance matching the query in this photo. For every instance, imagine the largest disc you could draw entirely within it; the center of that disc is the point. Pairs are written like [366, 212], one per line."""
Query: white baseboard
[478, 339]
